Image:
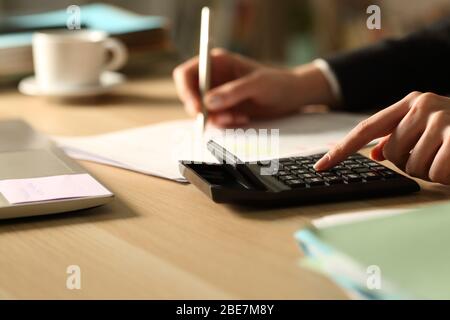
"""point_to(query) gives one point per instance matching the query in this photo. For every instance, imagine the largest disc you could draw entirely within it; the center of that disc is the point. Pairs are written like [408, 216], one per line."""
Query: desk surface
[158, 239]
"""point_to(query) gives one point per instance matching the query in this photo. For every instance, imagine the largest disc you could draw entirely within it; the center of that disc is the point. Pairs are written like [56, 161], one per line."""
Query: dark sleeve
[379, 75]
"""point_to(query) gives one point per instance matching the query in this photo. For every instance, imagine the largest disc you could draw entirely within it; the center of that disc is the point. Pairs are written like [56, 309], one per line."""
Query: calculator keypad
[298, 172]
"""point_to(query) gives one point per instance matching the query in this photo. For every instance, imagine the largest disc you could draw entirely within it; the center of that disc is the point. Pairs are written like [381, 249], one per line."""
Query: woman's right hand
[242, 89]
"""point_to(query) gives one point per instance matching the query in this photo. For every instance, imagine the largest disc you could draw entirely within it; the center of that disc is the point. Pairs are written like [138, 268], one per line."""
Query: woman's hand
[416, 137]
[243, 89]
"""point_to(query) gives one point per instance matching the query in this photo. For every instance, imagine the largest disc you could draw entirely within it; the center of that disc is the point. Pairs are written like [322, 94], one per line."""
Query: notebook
[409, 250]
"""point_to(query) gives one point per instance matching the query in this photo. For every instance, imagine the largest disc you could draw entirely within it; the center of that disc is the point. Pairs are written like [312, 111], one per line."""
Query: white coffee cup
[75, 58]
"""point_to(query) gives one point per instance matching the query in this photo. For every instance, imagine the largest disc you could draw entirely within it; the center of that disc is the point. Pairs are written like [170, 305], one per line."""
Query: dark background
[279, 31]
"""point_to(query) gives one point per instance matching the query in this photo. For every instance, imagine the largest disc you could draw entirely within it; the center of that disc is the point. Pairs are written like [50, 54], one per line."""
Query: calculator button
[296, 183]
[334, 180]
[352, 178]
[309, 175]
[326, 174]
[372, 164]
[388, 174]
[301, 171]
[315, 181]
[369, 176]
[361, 170]
[378, 168]
[293, 167]
[288, 177]
[282, 173]
[315, 158]
[355, 166]
[344, 172]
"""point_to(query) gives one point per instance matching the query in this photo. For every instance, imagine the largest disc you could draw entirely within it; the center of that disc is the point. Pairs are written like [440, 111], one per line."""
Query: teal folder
[411, 250]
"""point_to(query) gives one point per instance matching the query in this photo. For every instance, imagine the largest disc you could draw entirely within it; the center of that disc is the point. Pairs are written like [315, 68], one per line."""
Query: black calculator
[292, 180]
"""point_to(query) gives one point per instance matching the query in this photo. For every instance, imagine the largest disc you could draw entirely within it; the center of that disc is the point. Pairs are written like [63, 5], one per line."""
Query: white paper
[67, 186]
[154, 149]
[300, 135]
[157, 149]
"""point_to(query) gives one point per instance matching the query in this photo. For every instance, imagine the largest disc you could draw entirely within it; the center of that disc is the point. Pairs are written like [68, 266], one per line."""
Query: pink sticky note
[51, 188]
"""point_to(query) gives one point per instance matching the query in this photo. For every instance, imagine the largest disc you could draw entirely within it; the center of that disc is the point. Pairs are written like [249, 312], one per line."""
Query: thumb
[377, 151]
[231, 93]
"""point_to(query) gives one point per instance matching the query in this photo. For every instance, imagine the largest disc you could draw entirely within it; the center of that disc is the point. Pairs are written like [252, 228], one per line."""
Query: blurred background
[287, 32]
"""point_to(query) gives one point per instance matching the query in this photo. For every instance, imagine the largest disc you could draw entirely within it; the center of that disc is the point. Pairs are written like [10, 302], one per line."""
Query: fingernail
[376, 154]
[323, 162]
[213, 102]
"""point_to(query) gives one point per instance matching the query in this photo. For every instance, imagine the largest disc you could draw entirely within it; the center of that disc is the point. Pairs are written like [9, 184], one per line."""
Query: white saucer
[108, 80]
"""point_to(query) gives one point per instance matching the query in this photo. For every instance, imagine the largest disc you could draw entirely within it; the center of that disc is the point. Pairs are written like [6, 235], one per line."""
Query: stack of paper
[392, 256]
[157, 149]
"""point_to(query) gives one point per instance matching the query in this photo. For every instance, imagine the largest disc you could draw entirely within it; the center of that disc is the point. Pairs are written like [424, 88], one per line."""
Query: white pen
[204, 67]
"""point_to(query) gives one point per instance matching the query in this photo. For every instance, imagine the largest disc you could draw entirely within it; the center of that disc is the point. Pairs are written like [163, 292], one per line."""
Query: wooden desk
[158, 239]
